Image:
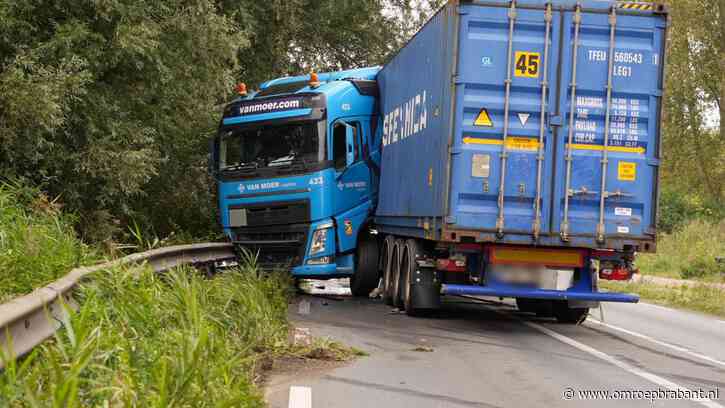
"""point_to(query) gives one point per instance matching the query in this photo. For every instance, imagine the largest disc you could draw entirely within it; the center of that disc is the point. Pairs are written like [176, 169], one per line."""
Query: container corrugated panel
[416, 94]
[545, 149]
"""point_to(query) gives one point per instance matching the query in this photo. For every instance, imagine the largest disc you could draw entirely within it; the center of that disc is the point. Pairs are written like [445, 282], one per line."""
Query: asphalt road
[475, 354]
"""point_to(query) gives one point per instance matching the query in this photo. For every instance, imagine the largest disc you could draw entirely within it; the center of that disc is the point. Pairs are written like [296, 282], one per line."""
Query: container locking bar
[601, 229]
[507, 101]
[542, 123]
[570, 138]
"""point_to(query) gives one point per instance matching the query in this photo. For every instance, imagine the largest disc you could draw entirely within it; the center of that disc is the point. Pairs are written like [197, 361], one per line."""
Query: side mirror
[350, 144]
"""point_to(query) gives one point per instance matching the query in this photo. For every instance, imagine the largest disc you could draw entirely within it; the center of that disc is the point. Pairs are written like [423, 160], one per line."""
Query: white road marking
[300, 397]
[665, 308]
[659, 342]
[663, 382]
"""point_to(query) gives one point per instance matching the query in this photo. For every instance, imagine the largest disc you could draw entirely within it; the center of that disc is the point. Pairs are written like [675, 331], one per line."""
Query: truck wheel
[526, 305]
[366, 277]
[396, 287]
[421, 292]
[387, 269]
[566, 315]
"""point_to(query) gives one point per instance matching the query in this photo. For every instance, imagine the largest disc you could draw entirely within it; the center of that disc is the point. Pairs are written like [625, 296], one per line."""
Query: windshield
[271, 146]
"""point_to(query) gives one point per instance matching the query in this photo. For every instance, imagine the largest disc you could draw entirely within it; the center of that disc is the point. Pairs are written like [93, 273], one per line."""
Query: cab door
[352, 178]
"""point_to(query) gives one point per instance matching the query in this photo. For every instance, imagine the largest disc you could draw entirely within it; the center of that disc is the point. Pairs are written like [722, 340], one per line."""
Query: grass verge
[37, 242]
[688, 253]
[697, 298]
[141, 339]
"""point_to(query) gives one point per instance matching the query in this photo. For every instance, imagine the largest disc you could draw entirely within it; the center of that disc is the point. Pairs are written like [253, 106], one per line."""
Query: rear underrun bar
[537, 293]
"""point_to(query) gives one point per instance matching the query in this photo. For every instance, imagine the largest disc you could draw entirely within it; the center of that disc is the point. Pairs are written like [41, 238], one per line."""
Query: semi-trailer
[509, 149]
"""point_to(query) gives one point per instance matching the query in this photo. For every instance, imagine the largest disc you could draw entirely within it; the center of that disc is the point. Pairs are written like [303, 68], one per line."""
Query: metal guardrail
[28, 320]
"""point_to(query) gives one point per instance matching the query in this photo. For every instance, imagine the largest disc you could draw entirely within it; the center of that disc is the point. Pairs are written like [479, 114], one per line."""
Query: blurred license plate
[237, 217]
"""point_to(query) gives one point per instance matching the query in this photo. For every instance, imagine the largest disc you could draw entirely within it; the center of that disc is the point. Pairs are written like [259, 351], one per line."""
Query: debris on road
[303, 307]
[302, 337]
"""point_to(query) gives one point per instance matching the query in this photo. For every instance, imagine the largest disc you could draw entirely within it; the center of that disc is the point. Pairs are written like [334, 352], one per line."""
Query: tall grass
[689, 252]
[148, 340]
[37, 242]
[699, 298]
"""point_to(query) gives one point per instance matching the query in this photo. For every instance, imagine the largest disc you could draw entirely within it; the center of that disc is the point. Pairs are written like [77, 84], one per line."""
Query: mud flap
[426, 289]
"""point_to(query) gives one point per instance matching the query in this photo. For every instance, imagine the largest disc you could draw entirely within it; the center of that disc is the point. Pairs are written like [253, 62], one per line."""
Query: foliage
[694, 143]
[141, 339]
[677, 208]
[689, 252]
[37, 242]
[107, 104]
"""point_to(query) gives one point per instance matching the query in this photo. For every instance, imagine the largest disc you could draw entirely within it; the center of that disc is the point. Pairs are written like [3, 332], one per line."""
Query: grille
[276, 213]
[276, 246]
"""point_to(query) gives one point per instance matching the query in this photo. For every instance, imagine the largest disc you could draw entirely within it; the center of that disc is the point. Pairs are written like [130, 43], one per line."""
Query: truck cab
[297, 171]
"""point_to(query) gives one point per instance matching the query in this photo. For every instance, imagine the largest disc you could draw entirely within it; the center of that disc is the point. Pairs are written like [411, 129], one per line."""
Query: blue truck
[509, 149]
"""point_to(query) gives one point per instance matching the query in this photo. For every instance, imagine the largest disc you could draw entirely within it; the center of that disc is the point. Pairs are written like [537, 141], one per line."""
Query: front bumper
[341, 267]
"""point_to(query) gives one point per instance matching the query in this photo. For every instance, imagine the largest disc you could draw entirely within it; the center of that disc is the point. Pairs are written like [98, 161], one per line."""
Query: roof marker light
[314, 80]
[242, 89]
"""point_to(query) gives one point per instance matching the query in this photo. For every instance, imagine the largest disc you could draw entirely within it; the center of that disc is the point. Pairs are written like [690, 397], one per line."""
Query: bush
[677, 208]
[37, 242]
[688, 252]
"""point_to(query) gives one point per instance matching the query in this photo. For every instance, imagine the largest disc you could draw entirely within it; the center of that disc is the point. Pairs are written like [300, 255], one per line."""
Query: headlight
[319, 241]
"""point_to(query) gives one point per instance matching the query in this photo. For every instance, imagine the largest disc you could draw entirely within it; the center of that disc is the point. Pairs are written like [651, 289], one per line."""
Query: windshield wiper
[242, 167]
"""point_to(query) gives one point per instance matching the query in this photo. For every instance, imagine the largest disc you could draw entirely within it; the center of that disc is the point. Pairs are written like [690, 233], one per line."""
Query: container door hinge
[556, 120]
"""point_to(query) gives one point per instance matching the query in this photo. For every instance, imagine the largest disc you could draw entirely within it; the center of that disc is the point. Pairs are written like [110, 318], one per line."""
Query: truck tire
[386, 256]
[366, 276]
[567, 315]
[396, 288]
[421, 290]
[526, 305]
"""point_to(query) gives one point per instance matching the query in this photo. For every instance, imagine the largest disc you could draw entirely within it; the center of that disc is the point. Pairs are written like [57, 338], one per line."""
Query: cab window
[339, 143]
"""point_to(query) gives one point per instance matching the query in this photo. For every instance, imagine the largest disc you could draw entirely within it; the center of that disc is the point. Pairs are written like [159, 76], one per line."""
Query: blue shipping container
[527, 123]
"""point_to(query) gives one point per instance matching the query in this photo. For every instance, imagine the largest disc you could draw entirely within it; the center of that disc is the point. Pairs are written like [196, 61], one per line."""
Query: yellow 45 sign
[527, 64]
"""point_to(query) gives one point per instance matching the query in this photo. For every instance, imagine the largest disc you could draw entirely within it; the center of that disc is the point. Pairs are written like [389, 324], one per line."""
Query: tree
[694, 142]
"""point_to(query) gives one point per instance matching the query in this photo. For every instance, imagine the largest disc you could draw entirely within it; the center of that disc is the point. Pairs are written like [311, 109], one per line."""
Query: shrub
[689, 252]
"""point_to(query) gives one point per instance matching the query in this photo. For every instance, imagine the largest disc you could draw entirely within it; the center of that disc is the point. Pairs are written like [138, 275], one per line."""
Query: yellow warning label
[512, 143]
[527, 64]
[348, 227]
[627, 171]
[483, 119]
[522, 143]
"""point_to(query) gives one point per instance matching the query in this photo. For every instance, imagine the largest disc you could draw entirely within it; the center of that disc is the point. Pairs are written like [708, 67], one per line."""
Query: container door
[608, 146]
[502, 155]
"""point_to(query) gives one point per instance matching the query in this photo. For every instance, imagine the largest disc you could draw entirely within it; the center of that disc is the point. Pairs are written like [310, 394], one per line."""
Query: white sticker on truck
[623, 211]
[622, 229]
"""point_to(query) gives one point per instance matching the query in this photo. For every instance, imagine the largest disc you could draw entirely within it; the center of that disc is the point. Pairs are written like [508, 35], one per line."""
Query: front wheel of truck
[365, 278]
[566, 315]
